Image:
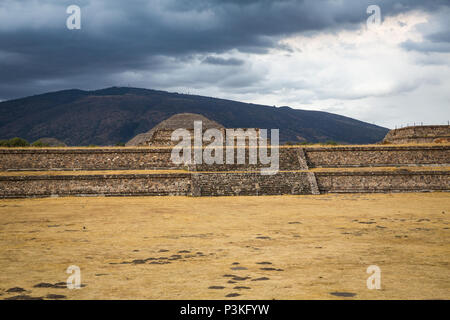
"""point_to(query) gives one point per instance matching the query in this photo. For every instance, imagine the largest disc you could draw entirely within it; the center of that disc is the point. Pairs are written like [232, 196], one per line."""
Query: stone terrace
[43, 172]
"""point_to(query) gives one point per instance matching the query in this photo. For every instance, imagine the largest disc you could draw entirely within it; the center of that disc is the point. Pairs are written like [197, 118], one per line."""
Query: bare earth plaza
[138, 226]
[271, 247]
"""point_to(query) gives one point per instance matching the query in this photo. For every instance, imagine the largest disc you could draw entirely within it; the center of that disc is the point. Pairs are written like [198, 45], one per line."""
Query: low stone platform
[291, 158]
[419, 134]
[47, 172]
[233, 183]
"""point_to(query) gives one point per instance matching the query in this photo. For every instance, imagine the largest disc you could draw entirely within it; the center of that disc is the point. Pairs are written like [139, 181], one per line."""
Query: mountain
[117, 114]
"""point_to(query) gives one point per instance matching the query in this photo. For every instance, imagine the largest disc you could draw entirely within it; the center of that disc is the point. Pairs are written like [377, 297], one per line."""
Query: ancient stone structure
[418, 134]
[85, 159]
[377, 156]
[92, 184]
[383, 181]
[160, 134]
[302, 170]
[309, 170]
[291, 158]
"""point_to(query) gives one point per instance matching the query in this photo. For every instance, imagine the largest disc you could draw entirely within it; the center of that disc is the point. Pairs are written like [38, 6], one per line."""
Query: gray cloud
[427, 46]
[223, 62]
[436, 34]
[39, 54]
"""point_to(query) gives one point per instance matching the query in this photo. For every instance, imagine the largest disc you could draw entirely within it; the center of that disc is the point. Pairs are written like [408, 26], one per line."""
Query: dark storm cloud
[436, 34]
[223, 62]
[39, 54]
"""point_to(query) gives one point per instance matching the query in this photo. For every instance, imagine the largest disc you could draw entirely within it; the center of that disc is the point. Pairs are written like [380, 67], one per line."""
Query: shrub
[39, 143]
[18, 142]
[4, 143]
[331, 142]
[120, 144]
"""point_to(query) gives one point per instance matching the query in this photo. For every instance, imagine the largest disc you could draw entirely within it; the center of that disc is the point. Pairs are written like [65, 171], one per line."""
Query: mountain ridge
[117, 114]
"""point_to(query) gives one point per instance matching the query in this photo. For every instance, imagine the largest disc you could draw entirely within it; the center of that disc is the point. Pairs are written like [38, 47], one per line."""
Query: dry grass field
[273, 247]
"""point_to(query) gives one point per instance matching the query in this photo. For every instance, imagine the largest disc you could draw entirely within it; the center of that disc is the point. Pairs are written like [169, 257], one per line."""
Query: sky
[306, 54]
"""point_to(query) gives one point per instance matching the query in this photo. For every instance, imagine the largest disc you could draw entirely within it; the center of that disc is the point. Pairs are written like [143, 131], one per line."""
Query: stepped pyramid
[160, 134]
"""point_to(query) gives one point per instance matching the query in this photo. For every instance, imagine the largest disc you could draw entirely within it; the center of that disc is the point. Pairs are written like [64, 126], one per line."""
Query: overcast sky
[315, 55]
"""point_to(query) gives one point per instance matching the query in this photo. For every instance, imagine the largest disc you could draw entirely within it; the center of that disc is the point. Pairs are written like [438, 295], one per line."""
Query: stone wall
[119, 159]
[418, 134]
[292, 158]
[85, 159]
[295, 183]
[383, 181]
[163, 137]
[250, 183]
[289, 159]
[377, 156]
[204, 180]
[85, 185]
[224, 183]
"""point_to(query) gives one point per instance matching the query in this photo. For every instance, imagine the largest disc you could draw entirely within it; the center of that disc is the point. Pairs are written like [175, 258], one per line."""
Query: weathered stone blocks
[217, 180]
[383, 181]
[249, 183]
[108, 185]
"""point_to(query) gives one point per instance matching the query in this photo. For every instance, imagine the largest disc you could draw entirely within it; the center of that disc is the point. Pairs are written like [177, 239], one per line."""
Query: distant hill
[112, 115]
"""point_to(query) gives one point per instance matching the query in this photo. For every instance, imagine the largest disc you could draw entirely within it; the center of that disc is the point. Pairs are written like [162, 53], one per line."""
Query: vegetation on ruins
[14, 142]
[39, 143]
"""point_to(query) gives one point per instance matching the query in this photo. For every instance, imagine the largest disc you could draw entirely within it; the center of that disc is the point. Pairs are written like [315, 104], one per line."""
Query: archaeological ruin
[146, 168]
[419, 134]
[45, 172]
[161, 133]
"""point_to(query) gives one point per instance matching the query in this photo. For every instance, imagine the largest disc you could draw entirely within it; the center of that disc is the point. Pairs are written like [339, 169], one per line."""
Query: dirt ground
[273, 247]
